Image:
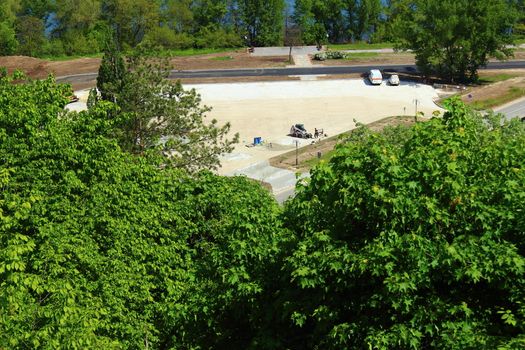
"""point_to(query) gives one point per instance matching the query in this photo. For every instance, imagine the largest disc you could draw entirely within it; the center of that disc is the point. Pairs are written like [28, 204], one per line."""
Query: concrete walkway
[284, 51]
[282, 181]
[302, 61]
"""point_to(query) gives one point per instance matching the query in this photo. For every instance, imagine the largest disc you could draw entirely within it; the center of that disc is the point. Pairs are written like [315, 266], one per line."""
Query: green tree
[458, 41]
[157, 113]
[102, 249]
[367, 15]
[8, 42]
[30, 35]
[177, 15]
[131, 19]
[209, 13]
[411, 239]
[111, 72]
[9, 10]
[318, 18]
[78, 14]
[263, 21]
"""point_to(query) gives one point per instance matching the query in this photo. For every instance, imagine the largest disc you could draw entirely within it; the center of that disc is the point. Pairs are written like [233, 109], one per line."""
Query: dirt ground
[228, 60]
[268, 109]
[389, 58]
[380, 59]
[489, 91]
[39, 68]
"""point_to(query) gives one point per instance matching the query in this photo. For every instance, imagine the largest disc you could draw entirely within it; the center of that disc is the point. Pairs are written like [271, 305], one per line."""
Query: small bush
[330, 55]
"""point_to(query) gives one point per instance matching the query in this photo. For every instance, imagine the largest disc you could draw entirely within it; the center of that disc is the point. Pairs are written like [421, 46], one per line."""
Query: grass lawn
[312, 162]
[512, 93]
[360, 46]
[163, 53]
[361, 55]
[490, 79]
[195, 52]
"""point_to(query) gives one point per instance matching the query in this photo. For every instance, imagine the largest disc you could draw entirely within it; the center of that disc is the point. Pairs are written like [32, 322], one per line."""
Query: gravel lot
[268, 109]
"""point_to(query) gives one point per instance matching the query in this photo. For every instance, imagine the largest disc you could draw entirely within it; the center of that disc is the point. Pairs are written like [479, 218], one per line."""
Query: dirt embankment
[40, 68]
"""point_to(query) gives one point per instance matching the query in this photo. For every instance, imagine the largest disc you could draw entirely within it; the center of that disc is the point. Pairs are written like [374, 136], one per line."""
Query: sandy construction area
[268, 109]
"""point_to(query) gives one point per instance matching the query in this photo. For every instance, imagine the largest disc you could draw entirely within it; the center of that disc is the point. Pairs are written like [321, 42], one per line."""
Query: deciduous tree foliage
[263, 21]
[412, 239]
[101, 249]
[455, 38]
[342, 20]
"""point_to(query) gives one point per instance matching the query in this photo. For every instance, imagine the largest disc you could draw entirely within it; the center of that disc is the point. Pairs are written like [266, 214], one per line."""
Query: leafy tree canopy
[455, 38]
[103, 249]
[412, 239]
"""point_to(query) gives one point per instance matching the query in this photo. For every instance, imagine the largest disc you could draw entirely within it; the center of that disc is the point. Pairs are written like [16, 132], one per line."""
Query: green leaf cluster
[455, 38]
[413, 239]
[103, 249]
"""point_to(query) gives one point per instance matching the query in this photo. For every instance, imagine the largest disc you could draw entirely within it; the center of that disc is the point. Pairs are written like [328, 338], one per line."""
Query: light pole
[296, 152]
[416, 102]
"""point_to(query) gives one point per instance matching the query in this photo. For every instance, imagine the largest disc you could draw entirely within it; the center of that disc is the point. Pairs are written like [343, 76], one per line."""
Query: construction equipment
[298, 130]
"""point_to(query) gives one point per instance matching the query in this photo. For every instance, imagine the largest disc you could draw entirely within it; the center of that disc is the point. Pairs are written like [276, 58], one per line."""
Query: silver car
[393, 80]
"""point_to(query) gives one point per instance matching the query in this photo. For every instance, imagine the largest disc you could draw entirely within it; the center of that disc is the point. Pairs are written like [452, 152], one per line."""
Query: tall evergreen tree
[111, 71]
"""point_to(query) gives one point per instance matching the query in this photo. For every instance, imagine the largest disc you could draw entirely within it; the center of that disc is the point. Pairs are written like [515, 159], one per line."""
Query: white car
[393, 80]
[375, 77]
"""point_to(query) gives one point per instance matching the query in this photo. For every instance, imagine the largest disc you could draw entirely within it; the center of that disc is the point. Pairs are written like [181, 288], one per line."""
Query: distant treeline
[79, 27]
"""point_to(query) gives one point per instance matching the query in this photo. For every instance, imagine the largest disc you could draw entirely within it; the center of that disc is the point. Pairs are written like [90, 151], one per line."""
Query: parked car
[393, 80]
[375, 77]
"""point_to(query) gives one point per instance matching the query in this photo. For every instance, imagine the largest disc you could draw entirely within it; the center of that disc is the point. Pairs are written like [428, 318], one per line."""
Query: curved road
[264, 72]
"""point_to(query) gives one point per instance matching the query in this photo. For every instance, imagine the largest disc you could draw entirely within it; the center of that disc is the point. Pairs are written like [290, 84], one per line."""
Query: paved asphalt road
[514, 110]
[83, 78]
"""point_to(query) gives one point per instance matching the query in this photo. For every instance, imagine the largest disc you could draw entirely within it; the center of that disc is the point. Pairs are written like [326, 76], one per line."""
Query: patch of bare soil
[228, 60]
[306, 154]
[519, 55]
[495, 90]
[37, 68]
[380, 59]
